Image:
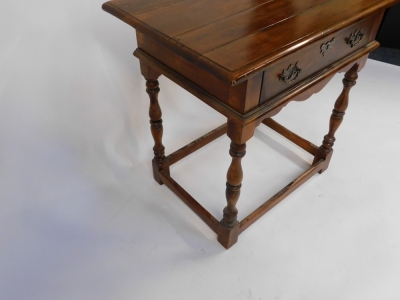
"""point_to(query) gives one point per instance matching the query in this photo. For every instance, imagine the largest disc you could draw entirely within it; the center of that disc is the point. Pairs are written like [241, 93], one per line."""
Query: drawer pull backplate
[356, 37]
[291, 73]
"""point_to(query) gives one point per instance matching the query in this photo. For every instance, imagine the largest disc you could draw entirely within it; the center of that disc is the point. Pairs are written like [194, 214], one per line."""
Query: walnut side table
[247, 59]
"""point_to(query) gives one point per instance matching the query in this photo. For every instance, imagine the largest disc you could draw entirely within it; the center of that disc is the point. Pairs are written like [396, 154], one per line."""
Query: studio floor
[81, 217]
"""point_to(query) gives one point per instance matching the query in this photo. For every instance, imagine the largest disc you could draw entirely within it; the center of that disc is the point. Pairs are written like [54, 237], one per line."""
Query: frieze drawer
[290, 70]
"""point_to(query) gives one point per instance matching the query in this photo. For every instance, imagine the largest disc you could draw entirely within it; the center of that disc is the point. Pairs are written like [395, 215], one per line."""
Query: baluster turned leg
[156, 126]
[326, 149]
[229, 226]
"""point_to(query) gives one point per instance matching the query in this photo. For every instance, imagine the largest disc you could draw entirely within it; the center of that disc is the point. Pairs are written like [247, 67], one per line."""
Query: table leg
[228, 230]
[156, 126]
[326, 149]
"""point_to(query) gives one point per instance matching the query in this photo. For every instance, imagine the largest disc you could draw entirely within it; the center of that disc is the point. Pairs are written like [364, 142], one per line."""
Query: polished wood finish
[196, 145]
[190, 201]
[156, 126]
[302, 90]
[231, 96]
[337, 115]
[255, 38]
[282, 194]
[248, 59]
[234, 179]
[310, 59]
[291, 136]
[228, 228]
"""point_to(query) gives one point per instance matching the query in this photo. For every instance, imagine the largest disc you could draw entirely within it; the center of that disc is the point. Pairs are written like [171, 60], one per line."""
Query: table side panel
[242, 98]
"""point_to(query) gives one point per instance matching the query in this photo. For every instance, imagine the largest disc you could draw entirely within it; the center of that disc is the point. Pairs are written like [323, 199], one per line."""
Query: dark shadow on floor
[386, 55]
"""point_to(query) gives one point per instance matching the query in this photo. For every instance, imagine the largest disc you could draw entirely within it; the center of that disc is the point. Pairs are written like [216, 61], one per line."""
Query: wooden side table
[247, 59]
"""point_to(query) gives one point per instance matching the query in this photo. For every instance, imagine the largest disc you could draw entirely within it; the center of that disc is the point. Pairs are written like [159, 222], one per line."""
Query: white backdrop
[82, 218]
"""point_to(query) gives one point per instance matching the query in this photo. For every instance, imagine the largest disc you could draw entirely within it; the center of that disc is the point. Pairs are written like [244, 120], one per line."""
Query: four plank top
[235, 38]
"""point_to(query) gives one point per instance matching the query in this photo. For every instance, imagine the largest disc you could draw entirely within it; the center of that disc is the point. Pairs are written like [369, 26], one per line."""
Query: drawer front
[290, 70]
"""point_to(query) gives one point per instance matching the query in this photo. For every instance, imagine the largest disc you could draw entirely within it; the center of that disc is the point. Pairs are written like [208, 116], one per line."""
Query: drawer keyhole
[328, 45]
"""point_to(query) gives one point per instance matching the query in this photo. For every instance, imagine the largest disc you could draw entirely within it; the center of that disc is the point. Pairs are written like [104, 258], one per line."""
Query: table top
[233, 39]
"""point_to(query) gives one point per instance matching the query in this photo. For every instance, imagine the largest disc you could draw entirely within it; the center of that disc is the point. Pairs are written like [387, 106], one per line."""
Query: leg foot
[326, 163]
[156, 171]
[228, 236]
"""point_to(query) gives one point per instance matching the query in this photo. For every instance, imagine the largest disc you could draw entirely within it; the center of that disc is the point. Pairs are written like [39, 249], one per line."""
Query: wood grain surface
[236, 38]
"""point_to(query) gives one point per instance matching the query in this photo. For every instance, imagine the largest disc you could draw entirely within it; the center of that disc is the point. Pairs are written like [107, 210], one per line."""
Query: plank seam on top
[168, 16]
[167, 38]
[277, 50]
[160, 7]
[226, 17]
[178, 3]
[258, 63]
[201, 56]
[270, 26]
[254, 32]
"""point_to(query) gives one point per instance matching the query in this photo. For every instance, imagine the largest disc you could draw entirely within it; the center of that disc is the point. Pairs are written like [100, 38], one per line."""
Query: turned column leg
[228, 230]
[156, 126]
[229, 226]
[234, 179]
[325, 151]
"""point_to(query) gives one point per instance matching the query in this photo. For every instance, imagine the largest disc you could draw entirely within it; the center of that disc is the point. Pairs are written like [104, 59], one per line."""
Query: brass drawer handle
[291, 73]
[356, 37]
[328, 45]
